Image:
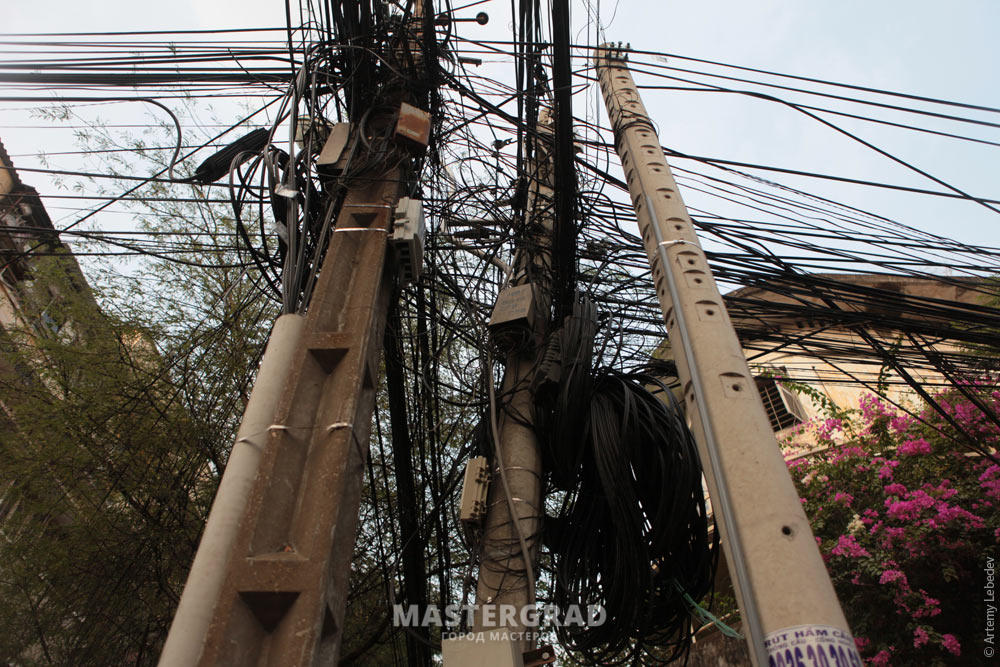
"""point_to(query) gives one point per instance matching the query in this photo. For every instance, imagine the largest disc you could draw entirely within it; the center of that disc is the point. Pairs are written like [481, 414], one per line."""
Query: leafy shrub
[905, 517]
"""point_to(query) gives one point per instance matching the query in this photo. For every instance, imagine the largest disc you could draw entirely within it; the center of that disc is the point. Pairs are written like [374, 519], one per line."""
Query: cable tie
[337, 425]
[368, 206]
[250, 442]
[360, 229]
[667, 244]
[277, 427]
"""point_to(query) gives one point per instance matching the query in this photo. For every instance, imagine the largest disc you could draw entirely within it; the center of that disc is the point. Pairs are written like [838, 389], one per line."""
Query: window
[783, 407]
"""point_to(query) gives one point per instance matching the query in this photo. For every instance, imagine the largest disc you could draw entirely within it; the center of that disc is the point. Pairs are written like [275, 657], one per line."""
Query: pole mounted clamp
[616, 52]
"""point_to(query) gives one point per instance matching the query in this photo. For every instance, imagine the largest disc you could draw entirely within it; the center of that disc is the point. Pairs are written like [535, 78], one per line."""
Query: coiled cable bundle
[632, 535]
[562, 380]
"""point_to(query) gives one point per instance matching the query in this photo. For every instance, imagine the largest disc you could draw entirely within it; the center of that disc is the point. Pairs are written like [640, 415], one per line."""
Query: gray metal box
[474, 489]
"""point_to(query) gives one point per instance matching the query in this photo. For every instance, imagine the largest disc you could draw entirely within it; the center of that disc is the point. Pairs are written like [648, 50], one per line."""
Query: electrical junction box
[407, 239]
[335, 147]
[515, 307]
[413, 128]
[475, 486]
[480, 652]
[316, 130]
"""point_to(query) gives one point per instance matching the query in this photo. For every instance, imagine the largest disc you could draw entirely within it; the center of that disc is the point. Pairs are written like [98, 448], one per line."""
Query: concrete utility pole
[514, 513]
[195, 612]
[283, 581]
[790, 610]
[269, 583]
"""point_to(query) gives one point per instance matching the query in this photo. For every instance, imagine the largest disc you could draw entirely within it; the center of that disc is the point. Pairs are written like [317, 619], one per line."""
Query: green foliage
[119, 408]
[106, 485]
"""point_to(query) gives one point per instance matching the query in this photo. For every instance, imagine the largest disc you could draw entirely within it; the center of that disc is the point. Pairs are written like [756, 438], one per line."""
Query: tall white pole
[789, 608]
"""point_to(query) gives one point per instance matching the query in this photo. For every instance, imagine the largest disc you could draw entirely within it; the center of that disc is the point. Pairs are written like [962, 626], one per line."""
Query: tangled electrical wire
[808, 275]
[632, 533]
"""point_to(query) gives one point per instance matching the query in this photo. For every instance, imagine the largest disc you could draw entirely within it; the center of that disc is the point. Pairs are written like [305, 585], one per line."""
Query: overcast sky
[945, 50]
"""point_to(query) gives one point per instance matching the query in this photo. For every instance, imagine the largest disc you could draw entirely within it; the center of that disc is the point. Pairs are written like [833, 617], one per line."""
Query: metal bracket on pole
[785, 594]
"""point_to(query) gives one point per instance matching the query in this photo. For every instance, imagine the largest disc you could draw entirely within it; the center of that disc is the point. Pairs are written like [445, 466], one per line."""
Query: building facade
[891, 332]
[43, 294]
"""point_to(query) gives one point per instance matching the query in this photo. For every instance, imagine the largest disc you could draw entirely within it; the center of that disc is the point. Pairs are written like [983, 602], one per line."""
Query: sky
[942, 50]
[928, 48]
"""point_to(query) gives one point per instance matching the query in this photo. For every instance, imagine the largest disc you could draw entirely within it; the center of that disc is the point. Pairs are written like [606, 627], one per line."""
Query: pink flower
[885, 472]
[967, 413]
[880, 658]
[930, 606]
[826, 429]
[861, 642]
[900, 423]
[910, 508]
[892, 534]
[990, 481]
[845, 453]
[950, 643]
[892, 575]
[920, 637]
[872, 407]
[895, 490]
[914, 447]
[844, 498]
[848, 546]
[948, 512]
